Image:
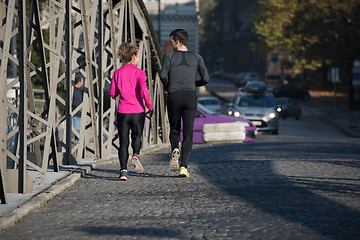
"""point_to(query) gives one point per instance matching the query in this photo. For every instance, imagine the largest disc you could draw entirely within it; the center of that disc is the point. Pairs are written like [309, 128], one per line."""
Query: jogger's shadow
[151, 175]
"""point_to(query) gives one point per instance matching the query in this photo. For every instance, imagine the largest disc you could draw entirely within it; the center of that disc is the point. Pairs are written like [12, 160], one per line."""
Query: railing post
[100, 77]
[67, 80]
[23, 89]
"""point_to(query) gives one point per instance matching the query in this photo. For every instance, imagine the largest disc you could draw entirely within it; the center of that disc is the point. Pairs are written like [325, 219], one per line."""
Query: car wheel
[284, 118]
[297, 117]
[306, 97]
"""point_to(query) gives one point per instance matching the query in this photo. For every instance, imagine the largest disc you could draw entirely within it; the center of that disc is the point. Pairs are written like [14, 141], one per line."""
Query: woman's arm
[144, 90]
[114, 90]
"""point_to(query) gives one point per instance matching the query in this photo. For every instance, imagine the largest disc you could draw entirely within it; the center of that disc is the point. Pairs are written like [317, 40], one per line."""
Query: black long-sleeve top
[179, 71]
[77, 100]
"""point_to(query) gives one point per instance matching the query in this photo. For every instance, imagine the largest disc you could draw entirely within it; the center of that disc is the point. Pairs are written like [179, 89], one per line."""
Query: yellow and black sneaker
[183, 172]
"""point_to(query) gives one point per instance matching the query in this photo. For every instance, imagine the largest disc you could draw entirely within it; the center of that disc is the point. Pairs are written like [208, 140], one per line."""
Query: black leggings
[182, 106]
[125, 123]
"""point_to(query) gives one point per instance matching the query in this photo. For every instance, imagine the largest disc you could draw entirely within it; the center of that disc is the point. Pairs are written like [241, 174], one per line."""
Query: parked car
[211, 102]
[241, 79]
[288, 107]
[205, 115]
[292, 91]
[274, 80]
[254, 103]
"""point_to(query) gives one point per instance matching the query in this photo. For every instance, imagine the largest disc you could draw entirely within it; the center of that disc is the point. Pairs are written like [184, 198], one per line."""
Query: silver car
[211, 102]
[258, 107]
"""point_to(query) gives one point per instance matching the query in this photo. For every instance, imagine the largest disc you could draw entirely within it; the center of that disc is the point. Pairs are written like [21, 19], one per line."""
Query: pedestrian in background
[179, 76]
[129, 83]
[77, 100]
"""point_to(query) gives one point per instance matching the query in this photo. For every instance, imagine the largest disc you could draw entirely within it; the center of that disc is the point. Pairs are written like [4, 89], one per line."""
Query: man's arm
[203, 73]
[164, 74]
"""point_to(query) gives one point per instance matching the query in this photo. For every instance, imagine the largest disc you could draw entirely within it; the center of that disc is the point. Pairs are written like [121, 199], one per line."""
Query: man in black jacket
[77, 100]
[179, 76]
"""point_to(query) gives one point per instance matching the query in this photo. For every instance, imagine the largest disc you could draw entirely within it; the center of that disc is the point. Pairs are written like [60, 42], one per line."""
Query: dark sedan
[292, 91]
[287, 107]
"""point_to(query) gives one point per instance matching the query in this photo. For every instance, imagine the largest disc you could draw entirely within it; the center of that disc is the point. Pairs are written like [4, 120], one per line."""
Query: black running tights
[125, 123]
[182, 106]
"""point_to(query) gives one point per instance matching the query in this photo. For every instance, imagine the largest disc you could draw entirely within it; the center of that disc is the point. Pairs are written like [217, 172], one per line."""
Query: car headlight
[230, 113]
[278, 109]
[237, 114]
[272, 115]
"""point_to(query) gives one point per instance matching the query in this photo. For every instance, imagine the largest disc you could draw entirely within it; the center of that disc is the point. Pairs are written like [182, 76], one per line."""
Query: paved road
[301, 184]
[281, 187]
[309, 126]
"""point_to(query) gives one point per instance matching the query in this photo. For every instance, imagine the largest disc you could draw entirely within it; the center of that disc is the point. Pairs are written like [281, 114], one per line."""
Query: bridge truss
[56, 42]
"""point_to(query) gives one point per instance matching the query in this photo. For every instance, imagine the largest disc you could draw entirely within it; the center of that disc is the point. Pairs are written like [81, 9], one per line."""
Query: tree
[316, 33]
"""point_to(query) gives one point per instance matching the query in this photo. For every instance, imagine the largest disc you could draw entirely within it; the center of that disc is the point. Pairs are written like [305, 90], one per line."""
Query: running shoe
[136, 161]
[123, 175]
[174, 160]
[183, 172]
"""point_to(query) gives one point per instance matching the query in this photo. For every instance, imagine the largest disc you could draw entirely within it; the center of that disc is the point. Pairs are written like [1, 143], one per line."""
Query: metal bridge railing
[56, 42]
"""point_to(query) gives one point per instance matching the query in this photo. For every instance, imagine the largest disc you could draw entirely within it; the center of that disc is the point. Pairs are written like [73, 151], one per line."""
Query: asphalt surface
[277, 190]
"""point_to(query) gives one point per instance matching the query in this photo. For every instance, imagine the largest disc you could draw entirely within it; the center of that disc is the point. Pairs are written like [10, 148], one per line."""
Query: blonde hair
[127, 51]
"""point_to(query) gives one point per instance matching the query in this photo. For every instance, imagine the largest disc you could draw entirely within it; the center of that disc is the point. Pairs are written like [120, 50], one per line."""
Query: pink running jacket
[129, 83]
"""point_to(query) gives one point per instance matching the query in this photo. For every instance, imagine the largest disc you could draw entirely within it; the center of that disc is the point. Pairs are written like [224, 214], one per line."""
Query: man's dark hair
[181, 35]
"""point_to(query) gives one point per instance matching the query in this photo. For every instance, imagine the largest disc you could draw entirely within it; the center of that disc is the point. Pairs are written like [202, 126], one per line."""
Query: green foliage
[316, 33]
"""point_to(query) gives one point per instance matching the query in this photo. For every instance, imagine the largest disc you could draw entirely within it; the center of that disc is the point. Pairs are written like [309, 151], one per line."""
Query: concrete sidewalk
[346, 121]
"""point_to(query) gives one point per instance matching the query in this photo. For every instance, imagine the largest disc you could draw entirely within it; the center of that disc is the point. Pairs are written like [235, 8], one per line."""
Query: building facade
[167, 15]
[238, 36]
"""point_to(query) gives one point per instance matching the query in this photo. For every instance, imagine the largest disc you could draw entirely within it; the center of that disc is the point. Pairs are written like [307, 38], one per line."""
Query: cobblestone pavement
[274, 189]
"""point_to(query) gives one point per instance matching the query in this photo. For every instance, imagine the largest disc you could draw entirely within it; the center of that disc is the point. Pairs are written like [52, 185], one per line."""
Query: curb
[11, 218]
[344, 131]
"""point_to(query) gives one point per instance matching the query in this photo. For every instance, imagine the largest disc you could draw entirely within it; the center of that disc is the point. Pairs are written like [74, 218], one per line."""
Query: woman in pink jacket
[129, 83]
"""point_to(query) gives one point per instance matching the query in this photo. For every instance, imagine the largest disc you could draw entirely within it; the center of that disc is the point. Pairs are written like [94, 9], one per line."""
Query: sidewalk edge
[343, 130]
